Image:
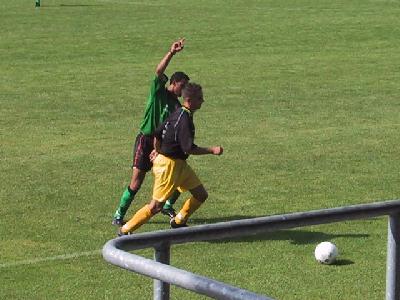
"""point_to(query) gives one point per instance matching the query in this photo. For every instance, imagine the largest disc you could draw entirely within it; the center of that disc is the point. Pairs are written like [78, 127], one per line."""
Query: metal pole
[171, 275]
[393, 258]
[114, 251]
[161, 255]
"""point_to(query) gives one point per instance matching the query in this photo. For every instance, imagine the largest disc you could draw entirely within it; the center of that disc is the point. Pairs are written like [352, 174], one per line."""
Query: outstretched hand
[177, 46]
[218, 150]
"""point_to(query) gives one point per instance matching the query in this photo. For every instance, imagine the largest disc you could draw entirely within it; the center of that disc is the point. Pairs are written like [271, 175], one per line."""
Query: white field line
[50, 258]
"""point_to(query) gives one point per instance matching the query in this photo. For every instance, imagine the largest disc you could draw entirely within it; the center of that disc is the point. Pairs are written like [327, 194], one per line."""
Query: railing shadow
[295, 236]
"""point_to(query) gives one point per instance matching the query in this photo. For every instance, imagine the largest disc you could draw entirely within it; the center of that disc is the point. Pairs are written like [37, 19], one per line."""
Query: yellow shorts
[171, 174]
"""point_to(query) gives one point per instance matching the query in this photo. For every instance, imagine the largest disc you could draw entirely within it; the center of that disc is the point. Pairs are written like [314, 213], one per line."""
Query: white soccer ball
[326, 253]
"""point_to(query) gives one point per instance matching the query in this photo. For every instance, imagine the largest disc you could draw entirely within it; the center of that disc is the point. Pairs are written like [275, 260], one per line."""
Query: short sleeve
[158, 83]
[185, 135]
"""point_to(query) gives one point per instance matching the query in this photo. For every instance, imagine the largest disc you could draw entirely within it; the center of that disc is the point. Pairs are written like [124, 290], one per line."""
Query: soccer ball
[326, 253]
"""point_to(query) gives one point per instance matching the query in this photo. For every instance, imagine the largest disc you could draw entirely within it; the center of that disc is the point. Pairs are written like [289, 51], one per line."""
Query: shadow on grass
[295, 236]
[199, 221]
[343, 262]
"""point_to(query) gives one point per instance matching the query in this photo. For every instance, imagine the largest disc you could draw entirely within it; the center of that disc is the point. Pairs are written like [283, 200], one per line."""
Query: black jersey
[177, 134]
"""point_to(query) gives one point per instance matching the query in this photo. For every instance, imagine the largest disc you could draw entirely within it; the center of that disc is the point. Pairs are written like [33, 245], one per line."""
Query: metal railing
[115, 251]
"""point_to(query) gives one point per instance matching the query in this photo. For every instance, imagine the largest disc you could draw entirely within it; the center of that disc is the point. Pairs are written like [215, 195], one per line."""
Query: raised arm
[175, 48]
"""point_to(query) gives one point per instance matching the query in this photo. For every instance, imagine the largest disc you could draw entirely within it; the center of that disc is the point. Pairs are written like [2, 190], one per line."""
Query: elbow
[189, 150]
[159, 70]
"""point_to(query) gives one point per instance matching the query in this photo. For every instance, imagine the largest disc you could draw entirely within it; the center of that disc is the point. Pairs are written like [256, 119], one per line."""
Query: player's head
[192, 95]
[177, 82]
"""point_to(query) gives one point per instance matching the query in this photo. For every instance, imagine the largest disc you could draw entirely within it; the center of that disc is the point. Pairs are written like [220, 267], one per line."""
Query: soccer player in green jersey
[161, 102]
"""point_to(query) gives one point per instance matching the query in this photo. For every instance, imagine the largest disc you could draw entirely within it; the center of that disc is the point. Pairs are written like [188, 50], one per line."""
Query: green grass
[303, 95]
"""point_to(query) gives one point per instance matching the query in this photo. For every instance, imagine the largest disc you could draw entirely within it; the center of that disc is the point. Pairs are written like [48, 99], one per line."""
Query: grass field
[303, 95]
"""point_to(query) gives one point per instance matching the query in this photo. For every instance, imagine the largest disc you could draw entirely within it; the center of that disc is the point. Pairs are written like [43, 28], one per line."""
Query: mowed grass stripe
[50, 258]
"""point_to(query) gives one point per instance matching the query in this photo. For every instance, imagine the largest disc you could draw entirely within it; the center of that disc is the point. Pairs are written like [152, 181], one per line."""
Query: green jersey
[160, 104]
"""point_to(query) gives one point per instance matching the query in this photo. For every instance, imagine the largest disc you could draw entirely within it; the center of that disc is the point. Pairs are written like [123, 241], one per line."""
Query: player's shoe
[118, 222]
[176, 225]
[170, 212]
[120, 233]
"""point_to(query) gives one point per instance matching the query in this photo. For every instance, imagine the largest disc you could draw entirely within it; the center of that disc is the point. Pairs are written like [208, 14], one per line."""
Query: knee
[135, 185]
[199, 193]
[155, 207]
[155, 210]
[202, 196]
[137, 179]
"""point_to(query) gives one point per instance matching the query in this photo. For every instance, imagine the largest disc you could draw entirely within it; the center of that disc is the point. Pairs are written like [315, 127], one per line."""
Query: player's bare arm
[154, 152]
[175, 48]
[157, 144]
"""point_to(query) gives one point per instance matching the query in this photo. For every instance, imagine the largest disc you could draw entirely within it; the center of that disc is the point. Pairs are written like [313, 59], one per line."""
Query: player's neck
[187, 109]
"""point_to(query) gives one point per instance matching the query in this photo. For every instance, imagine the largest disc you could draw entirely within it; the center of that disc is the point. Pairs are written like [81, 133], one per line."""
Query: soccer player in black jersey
[174, 142]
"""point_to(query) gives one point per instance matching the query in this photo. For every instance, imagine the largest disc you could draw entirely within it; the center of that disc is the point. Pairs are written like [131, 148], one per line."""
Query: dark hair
[192, 90]
[178, 76]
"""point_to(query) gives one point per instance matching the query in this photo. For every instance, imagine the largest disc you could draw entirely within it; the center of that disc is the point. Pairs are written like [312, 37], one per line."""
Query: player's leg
[199, 195]
[141, 165]
[190, 182]
[141, 216]
[168, 208]
[128, 196]
[164, 185]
